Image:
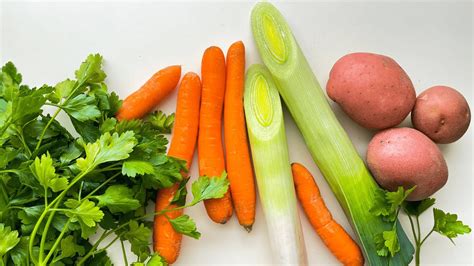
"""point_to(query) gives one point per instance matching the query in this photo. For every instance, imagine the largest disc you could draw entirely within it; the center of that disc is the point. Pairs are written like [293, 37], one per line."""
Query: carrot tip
[248, 228]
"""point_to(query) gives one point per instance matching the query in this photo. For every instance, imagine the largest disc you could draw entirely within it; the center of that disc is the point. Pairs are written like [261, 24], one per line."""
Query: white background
[431, 41]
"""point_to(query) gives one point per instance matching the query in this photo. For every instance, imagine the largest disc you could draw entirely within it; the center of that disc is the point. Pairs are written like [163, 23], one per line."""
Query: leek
[325, 138]
[266, 131]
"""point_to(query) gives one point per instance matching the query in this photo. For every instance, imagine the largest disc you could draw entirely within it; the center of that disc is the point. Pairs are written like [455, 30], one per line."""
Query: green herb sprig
[388, 205]
[58, 187]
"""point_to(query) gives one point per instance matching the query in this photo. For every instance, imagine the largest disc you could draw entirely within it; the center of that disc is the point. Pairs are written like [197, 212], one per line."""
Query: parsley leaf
[9, 239]
[418, 207]
[166, 172]
[161, 121]
[139, 236]
[69, 247]
[114, 103]
[395, 200]
[118, 198]
[108, 125]
[156, 260]
[391, 241]
[387, 204]
[90, 70]
[185, 225]
[25, 106]
[82, 108]
[209, 188]
[19, 254]
[382, 250]
[88, 130]
[63, 89]
[10, 70]
[29, 216]
[85, 212]
[45, 173]
[6, 156]
[132, 168]
[387, 243]
[107, 148]
[179, 197]
[380, 206]
[447, 224]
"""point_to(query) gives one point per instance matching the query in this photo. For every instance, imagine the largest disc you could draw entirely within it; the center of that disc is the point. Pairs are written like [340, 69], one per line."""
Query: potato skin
[442, 113]
[372, 89]
[406, 157]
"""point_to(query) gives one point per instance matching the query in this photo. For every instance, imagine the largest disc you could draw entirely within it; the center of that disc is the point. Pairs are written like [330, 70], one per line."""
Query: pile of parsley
[59, 188]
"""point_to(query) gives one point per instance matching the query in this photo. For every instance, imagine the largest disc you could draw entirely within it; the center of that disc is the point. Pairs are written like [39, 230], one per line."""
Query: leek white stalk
[269, 148]
[330, 147]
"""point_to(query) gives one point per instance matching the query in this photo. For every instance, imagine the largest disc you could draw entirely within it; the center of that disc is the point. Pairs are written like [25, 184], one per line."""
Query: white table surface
[433, 42]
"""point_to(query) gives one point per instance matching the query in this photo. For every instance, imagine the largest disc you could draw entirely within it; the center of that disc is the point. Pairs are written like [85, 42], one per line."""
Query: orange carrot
[211, 154]
[239, 166]
[145, 99]
[333, 235]
[166, 241]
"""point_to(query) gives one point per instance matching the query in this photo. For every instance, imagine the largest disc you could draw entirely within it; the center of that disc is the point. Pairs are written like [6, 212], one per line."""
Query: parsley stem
[16, 207]
[54, 204]
[80, 191]
[394, 226]
[56, 113]
[22, 139]
[413, 229]
[45, 233]
[420, 242]
[45, 196]
[10, 171]
[417, 255]
[424, 239]
[101, 186]
[56, 243]
[105, 234]
[108, 245]
[124, 252]
[418, 227]
[94, 247]
[112, 167]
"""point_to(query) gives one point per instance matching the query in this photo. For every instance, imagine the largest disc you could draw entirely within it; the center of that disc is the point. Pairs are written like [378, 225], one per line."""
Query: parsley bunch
[388, 205]
[57, 189]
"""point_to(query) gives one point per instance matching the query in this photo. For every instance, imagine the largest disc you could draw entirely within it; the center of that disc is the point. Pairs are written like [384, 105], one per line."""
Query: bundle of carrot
[220, 83]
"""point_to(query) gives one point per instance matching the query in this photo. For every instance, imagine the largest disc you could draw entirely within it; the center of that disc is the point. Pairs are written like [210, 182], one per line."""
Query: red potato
[442, 113]
[406, 157]
[372, 89]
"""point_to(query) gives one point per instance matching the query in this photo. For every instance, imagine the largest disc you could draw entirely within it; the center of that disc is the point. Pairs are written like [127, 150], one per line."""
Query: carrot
[210, 150]
[166, 241]
[145, 99]
[239, 166]
[333, 235]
